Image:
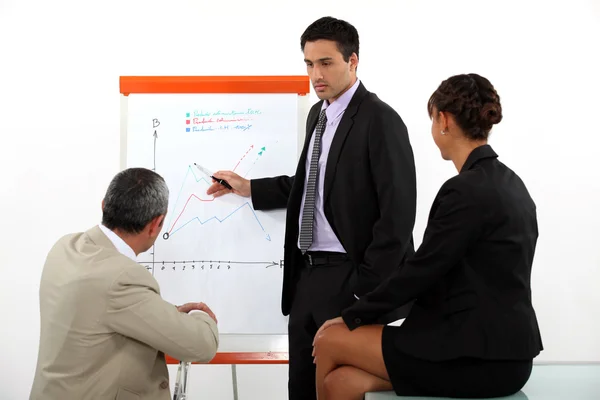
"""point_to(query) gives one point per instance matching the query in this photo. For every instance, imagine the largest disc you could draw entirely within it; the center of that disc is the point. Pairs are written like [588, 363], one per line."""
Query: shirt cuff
[197, 311]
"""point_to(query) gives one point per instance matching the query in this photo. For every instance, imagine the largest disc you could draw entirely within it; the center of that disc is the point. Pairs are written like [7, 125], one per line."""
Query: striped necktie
[308, 214]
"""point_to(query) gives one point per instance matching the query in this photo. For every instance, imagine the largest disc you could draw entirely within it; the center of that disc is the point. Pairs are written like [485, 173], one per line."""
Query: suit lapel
[339, 138]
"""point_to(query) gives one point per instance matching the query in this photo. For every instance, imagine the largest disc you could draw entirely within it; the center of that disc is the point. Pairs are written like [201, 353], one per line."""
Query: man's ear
[102, 205]
[353, 60]
[156, 225]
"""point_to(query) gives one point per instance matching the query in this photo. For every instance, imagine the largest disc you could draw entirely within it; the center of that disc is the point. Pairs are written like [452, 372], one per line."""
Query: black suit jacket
[471, 275]
[370, 193]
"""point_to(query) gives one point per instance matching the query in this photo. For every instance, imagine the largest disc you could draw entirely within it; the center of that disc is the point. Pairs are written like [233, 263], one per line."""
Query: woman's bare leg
[361, 349]
[351, 383]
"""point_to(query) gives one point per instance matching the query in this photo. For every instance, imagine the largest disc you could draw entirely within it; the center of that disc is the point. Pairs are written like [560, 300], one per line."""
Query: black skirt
[459, 378]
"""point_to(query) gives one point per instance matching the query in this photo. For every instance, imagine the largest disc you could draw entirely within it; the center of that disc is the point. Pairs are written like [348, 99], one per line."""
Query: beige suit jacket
[105, 328]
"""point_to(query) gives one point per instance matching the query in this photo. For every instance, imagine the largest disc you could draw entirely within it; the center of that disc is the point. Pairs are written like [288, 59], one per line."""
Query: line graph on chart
[181, 218]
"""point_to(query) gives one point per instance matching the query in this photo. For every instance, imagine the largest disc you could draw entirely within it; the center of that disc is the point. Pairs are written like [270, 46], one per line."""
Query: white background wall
[59, 125]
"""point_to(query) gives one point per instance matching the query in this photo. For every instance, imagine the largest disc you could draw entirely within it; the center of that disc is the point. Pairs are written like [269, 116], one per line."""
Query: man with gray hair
[104, 327]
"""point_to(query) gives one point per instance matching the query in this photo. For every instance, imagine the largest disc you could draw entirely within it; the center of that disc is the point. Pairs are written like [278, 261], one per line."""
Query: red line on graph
[186, 203]
[244, 156]
[204, 200]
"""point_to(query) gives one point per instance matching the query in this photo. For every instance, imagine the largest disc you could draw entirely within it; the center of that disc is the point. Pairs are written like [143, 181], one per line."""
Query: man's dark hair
[329, 28]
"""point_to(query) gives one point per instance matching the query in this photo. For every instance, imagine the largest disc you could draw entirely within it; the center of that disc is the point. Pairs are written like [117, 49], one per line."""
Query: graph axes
[203, 264]
[155, 124]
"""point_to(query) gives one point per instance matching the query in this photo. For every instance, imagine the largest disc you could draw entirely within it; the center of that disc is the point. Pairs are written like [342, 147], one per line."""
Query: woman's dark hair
[473, 102]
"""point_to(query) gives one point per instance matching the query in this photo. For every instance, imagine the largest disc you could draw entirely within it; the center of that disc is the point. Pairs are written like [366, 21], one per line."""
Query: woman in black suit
[472, 331]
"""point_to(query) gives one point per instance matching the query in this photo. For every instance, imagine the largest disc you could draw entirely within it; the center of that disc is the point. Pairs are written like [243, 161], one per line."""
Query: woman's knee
[328, 341]
[322, 337]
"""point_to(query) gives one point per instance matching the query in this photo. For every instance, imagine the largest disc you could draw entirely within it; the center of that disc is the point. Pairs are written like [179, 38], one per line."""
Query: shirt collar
[339, 106]
[119, 243]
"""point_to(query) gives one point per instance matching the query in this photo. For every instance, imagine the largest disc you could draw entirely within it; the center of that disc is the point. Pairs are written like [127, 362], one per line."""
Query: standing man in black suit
[351, 204]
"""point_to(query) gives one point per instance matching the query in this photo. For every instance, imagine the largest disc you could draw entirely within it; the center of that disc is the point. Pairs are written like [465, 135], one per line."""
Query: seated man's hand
[187, 307]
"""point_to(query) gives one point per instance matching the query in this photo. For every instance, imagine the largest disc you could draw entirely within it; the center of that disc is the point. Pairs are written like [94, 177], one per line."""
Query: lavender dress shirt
[324, 239]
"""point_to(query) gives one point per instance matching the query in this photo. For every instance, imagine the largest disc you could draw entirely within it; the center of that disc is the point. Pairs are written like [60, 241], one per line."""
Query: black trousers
[322, 293]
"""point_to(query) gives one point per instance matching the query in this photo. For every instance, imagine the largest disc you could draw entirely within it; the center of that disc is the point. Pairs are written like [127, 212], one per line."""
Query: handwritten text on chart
[202, 113]
[218, 128]
[203, 120]
[210, 121]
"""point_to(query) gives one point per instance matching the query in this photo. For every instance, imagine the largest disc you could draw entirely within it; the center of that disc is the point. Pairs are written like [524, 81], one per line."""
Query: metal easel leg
[234, 380]
[180, 392]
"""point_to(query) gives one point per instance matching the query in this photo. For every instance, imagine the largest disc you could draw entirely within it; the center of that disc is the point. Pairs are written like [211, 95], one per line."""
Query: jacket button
[164, 385]
[357, 320]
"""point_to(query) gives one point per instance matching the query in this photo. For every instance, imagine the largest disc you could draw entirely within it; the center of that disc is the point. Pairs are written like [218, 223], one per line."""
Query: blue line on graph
[268, 237]
[181, 189]
[189, 169]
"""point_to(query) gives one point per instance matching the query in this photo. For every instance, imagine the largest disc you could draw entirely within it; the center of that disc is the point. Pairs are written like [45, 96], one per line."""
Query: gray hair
[134, 197]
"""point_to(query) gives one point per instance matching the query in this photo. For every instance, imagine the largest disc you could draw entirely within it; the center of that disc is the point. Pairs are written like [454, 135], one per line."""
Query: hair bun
[491, 114]
[473, 102]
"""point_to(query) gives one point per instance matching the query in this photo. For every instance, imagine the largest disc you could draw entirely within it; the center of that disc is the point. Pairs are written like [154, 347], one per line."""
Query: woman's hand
[326, 325]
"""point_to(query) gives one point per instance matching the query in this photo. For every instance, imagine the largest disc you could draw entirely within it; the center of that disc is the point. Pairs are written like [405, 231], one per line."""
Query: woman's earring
[443, 133]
